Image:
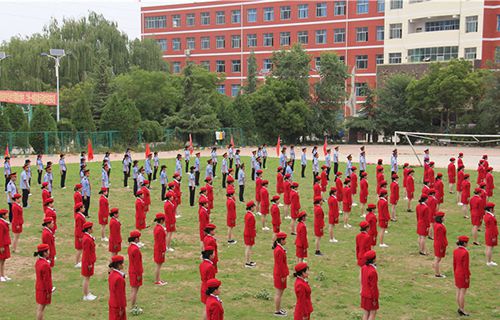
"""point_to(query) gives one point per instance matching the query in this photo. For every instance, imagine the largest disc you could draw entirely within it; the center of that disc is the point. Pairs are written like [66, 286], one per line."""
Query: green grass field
[408, 289]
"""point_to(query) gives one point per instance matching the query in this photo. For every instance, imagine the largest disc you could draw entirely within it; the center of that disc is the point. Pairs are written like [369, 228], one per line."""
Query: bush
[152, 131]
[121, 114]
[65, 125]
[42, 121]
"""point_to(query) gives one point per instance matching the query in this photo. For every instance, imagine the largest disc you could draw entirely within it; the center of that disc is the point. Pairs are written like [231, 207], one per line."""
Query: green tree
[366, 118]
[120, 114]
[42, 121]
[16, 117]
[103, 75]
[293, 66]
[5, 125]
[292, 120]
[81, 116]
[244, 116]
[251, 84]
[152, 131]
[147, 55]
[489, 107]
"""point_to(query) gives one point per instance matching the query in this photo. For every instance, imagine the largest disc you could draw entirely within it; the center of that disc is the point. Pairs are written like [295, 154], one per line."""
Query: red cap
[317, 178]
[213, 283]
[432, 190]
[466, 175]
[301, 266]
[209, 178]
[431, 163]
[146, 182]
[317, 198]
[439, 174]
[203, 189]
[324, 166]
[170, 194]
[77, 206]
[230, 179]
[47, 219]
[210, 226]
[3, 211]
[395, 176]
[489, 169]
[176, 175]
[489, 205]
[463, 238]
[250, 204]
[339, 173]
[42, 247]
[160, 216]
[353, 168]
[135, 234]
[383, 191]
[460, 154]
[87, 225]
[171, 184]
[49, 200]
[209, 248]
[275, 198]
[439, 214]
[372, 206]
[364, 224]
[281, 235]
[301, 214]
[452, 159]
[406, 164]
[280, 168]
[295, 184]
[44, 184]
[16, 196]
[364, 174]
[333, 189]
[288, 175]
[370, 255]
[114, 210]
[265, 182]
[104, 189]
[77, 186]
[117, 258]
[259, 171]
[477, 190]
[230, 192]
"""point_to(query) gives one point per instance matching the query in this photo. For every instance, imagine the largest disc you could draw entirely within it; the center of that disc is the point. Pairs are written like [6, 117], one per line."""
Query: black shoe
[476, 243]
[293, 234]
[422, 253]
[409, 210]
[462, 313]
[280, 313]
[318, 253]
[430, 238]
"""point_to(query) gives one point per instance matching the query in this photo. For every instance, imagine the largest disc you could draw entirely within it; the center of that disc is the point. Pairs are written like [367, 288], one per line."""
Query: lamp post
[56, 55]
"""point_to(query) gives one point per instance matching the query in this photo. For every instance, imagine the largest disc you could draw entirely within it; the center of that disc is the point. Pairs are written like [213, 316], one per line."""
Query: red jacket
[135, 269]
[410, 184]
[371, 218]
[491, 229]
[369, 282]
[203, 220]
[476, 204]
[363, 190]
[258, 186]
[303, 307]
[465, 192]
[301, 238]
[490, 185]
[280, 263]
[139, 209]
[48, 238]
[452, 173]
[363, 244]
[17, 216]
[432, 205]
[207, 272]
[214, 308]
[178, 192]
[340, 189]
[115, 236]
[160, 241]
[147, 195]
[439, 187]
[43, 271]
[422, 213]
[45, 195]
[481, 173]
[354, 183]
[210, 241]
[460, 162]
[380, 178]
[383, 210]
[394, 192]
[210, 195]
[295, 202]
[88, 254]
[347, 196]
[333, 207]
[169, 209]
[324, 180]
[429, 176]
[286, 192]
[275, 215]
[319, 217]
[4, 233]
[460, 179]
[117, 295]
[79, 221]
[461, 267]
[77, 197]
[51, 212]
[103, 212]
[317, 190]
[249, 231]
[440, 240]
[279, 183]
[231, 209]
[406, 172]
[264, 200]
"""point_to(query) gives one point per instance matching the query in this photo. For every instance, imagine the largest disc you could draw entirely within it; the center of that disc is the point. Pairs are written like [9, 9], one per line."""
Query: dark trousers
[293, 164]
[335, 168]
[63, 178]
[129, 168]
[242, 193]
[303, 171]
[197, 178]
[39, 177]
[253, 174]
[215, 169]
[224, 176]
[26, 193]
[187, 165]
[328, 173]
[7, 179]
[135, 187]
[10, 212]
[264, 159]
[315, 174]
[86, 205]
[163, 191]
[230, 162]
[150, 175]
[155, 171]
[109, 173]
[236, 171]
[192, 191]
[125, 179]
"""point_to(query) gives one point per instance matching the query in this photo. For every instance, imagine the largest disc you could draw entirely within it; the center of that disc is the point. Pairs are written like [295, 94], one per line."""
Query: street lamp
[57, 55]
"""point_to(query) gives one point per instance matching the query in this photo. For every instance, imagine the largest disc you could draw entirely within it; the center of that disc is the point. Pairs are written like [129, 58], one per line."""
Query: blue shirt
[237, 159]
[197, 164]
[328, 160]
[303, 159]
[156, 161]
[209, 171]
[62, 165]
[394, 163]
[6, 169]
[230, 153]
[39, 164]
[315, 164]
[135, 172]
[104, 179]
[11, 190]
[241, 177]
[362, 162]
[85, 187]
[223, 167]
[24, 183]
[163, 177]
[47, 178]
[147, 166]
[187, 155]
[213, 154]
[292, 154]
[106, 160]
[178, 167]
[192, 180]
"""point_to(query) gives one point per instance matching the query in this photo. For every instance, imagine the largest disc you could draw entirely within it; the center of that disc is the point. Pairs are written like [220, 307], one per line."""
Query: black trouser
[335, 168]
[236, 171]
[293, 164]
[315, 174]
[215, 169]
[197, 178]
[135, 187]
[7, 179]
[86, 205]
[155, 171]
[150, 175]
[40, 176]
[253, 174]
[242, 192]
[187, 165]
[328, 173]
[109, 173]
[303, 171]
[230, 162]
[264, 162]
[224, 176]
[10, 212]
[63, 178]
[192, 191]
[125, 179]
[129, 168]
[26, 193]
[163, 191]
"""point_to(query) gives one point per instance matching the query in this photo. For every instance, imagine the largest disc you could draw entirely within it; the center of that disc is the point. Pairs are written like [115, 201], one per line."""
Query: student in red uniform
[452, 175]
[214, 309]
[135, 269]
[354, 181]
[43, 284]
[170, 219]
[17, 220]
[461, 272]
[339, 185]
[371, 218]
[481, 171]
[45, 194]
[406, 171]
[117, 302]
[347, 202]
[394, 196]
[490, 183]
[383, 216]
[147, 196]
[115, 235]
[275, 215]
[258, 186]
[210, 192]
[380, 177]
[425, 188]
[249, 234]
[49, 239]
[410, 188]
[280, 272]
[264, 203]
[369, 286]
[88, 260]
[460, 179]
[287, 184]
[211, 241]
[301, 243]
[103, 212]
[77, 196]
[4, 243]
[363, 192]
[440, 243]
[160, 246]
[422, 213]
[231, 215]
[303, 307]
[363, 242]
[317, 187]
[324, 178]
[333, 213]
[319, 224]
[280, 188]
[465, 195]
[476, 209]
[430, 177]
[439, 187]
[230, 183]
[432, 204]
[490, 233]
[203, 218]
[140, 215]
[80, 220]
[295, 205]
[50, 211]
[207, 272]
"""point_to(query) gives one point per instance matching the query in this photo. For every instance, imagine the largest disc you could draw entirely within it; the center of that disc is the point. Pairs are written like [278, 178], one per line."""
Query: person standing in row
[394, 162]
[105, 176]
[461, 272]
[11, 190]
[237, 162]
[294, 205]
[187, 157]
[249, 234]
[170, 219]
[241, 182]
[115, 233]
[6, 171]
[191, 185]
[39, 167]
[88, 260]
[25, 186]
[209, 172]
[163, 181]
[362, 161]
[319, 224]
[303, 162]
[207, 272]
[335, 160]
[422, 211]
[280, 272]
[315, 166]
[369, 286]
[301, 242]
[230, 216]
[83, 160]
[490, 233]
[210, 241]
[17, 220]
[48, 176]
[214, 309]
[282, 160]
[303, 306]
[230, 154]
[106, 160]
[160, 247]
[103, 212]
[148, 167]
[4, 243]
[140, 216]
[383, 216]
[410, 188]
[275, 215]
[43, 282]
[80, 220]
[213, 156]
[117, 302]
[394, 198]
[62, 170]
[363, 192]
[452, 174]
[86, 191]
[333, 213]
[135, 269]
[348, 169]
[224, 170]
[197, 168]
[264, 203]
[49, 239]
[328, 162]
[126, 170]
[156, 165]
[363, 242]
[440, 243]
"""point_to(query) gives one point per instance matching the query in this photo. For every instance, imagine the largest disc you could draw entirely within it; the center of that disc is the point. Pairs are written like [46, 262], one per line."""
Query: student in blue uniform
[62, 170]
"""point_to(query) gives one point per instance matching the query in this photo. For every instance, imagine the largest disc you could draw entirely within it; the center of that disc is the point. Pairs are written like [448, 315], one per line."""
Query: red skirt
[43, 298]
[318, 231]
[170, 228]
[300, 252]
[476, 220]
[490, 240]
[117, 313]
[422, 230]
[462, 281]
[134, 282]
[231, 221]
[276, 228]
[249, 241]
[159, 257]
[369, 304]
[346, 207]
[17, 228]
[103, 220]
[114, 246]
[440, 251]
[6, 253]
[383, 224]
[333, 219]
[87, 269]
[278, 284]
[78, 243]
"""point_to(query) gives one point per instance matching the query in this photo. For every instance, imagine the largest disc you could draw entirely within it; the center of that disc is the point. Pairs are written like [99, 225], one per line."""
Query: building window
[380, 33]
[220, 17]
[206, 64]
[220, 42]
[317, 63]
[497, 55]
[176, 20]
[395, 31]
[380, 5]
[251, 40]
[252, 15]
[268, 14]
[205, 43]
[176, 67]
[498, 23]
[342, 59]
[284, 38]
[267, 65]
[470, 53]
[362, 34]
[303, 11]
[176, 44]
[362, 62]
[380, 59]
[442, 25]
[360, 88]
[303, 37]
[236, 16]
[362, 6]
[220, 66]
[159, 22]
[190, 43]
[190, 19]
[162, 43]
[339, 8]
[320, 36]
[221, 89]
[285, 13]
[205, 18]
[236, 66]
[395, 57]
[396, 4]
[433, 54]
[471, 24]
[321, 9]
[235, 90]
[268, 40]
[235, 41]
[339, 35]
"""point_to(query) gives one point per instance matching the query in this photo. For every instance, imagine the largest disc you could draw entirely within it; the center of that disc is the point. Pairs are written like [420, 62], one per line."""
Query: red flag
[325, 146]
[232, 141]
[148, 151]
[278, 147]
[7, 154]
[90, 151]
[191, 149]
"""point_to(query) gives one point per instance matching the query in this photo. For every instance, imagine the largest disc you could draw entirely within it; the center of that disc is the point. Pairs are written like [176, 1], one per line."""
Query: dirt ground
[440, 155]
